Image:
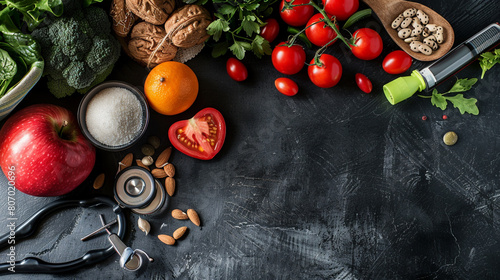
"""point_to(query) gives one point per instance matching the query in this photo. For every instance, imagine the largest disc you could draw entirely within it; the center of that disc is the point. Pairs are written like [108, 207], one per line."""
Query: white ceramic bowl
[16, 94]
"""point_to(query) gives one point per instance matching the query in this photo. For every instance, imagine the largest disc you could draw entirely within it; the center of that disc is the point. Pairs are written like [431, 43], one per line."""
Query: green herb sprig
[465, 105]
[237, 27]
[488, 60]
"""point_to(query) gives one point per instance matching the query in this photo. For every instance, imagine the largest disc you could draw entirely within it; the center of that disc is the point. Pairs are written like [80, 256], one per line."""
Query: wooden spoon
[388, 10]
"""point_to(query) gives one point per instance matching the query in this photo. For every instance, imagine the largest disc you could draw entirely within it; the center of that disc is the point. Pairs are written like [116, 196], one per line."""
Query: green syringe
[443, 68]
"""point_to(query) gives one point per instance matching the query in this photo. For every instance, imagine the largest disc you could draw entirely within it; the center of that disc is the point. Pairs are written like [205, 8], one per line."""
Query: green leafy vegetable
[18, 52]
[488, 60]
[34, 11]
[87, 3]
[8, 66]
[238, 26]
[465, 105]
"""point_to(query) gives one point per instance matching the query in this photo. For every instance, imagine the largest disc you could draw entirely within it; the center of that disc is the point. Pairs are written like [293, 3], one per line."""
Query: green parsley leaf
[216, 28]
[220, 49]
[239, 23]
[488, 60]
[238, 50]
[250, 27]
[227, 9]
[252, 7]
[261, 46]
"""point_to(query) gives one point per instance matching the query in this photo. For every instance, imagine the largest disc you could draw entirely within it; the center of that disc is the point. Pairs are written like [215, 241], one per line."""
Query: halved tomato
[202, 136]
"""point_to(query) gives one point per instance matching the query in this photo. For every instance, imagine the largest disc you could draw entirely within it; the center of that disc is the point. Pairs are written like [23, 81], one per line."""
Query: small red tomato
[271, 30]
[288, 60]
[236, 69]
[286, 86]
[368, 44]
[342, 9]
[296, 16]
[397, 62]
[363, 83]
[318, 32]
[327, 75]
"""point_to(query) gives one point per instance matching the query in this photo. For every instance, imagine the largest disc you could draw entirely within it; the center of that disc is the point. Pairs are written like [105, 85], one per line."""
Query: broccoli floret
[78, 47]
[98, 79]
[78, 74]
[56, 60]
[59, 87]
[104, 52]
[98, 20]
[74, 43]
[43, 38]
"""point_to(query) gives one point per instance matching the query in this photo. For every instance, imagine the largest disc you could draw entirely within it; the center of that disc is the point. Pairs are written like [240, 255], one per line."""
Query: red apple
[44, 147]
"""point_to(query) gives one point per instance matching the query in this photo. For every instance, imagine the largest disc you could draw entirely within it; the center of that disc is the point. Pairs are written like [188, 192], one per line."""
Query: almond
[158, 173]
[178, 233]
[126, 161]
[169, 169]
[179, 215]
[163, 157]
[170, 185]
[139, 163]
[193, 217]
[99, 181]
[167, 239]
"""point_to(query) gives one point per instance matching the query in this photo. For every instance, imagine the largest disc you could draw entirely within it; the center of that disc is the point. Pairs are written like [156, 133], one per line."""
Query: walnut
[149, 45]
[123, 18]
[152, 11]
[187, 26]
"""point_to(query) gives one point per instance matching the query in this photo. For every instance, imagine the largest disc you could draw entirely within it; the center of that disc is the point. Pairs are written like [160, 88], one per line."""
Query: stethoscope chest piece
[135, 188]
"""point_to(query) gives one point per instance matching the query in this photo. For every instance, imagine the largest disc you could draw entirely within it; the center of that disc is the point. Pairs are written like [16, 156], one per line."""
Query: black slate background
[329, 184]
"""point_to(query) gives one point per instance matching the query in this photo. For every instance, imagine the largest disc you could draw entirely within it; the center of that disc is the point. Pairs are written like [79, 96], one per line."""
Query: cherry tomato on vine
[236, 69]
[320, 33]
[288, 60]
[286, 86]
[363, 83]
[202, 136]
[397, 62]
[368, 44]
[271, 30]
[327, 75]
[342, 9]
[296, 16]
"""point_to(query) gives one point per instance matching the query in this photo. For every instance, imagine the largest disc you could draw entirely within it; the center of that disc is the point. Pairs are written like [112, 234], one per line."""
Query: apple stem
[65, 123]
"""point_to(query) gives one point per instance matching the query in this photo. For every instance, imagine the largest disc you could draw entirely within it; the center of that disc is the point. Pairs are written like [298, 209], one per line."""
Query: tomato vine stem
[326, 19]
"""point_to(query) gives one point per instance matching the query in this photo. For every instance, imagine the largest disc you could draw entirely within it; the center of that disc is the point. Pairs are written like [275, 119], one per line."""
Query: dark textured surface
[329, 184]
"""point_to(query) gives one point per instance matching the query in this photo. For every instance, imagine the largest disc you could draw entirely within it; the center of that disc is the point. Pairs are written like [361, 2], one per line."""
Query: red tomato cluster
[325, 71]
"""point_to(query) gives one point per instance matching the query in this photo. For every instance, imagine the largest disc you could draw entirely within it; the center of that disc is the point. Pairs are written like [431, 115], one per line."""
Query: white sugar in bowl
[113, 115]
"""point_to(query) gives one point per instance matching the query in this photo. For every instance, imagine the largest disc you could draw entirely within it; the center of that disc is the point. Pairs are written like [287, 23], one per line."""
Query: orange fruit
[171, 88]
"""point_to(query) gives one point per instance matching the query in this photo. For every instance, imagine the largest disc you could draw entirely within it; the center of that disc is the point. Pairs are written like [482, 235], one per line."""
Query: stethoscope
[130, 260]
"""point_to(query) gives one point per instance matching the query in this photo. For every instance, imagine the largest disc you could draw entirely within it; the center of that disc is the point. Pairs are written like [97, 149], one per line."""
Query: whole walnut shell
[187, 26]
[123, 18]
[152, 11]
[149, 46]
